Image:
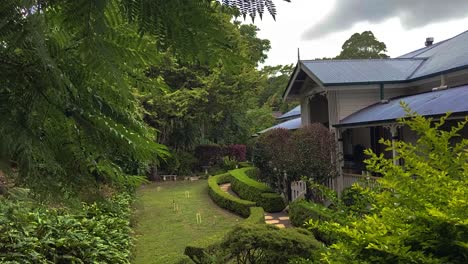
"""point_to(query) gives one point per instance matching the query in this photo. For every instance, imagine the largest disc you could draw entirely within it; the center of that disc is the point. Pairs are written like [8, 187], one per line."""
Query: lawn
[162, 233]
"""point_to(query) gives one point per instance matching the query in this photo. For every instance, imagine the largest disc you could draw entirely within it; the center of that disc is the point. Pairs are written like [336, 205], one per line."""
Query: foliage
[257, 244]
[419, 213]
[180, 163]
[277, 78]
[252, 190]
[300, 211]
[363, 46]
[229, 163]
[252, 8]
[284, 156]
[226, 200]
[208, 155]
[236, 152]
[313, 148]
[257, 216]
[32, 233]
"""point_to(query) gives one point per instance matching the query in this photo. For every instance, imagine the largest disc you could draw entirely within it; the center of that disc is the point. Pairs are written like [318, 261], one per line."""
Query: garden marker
[198, 218]
[187, 194]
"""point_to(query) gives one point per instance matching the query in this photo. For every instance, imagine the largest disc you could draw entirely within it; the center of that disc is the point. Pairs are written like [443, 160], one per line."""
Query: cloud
[412, 14]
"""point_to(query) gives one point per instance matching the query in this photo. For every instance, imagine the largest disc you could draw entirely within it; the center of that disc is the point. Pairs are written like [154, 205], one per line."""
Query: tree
[363, 46]
[72, 72]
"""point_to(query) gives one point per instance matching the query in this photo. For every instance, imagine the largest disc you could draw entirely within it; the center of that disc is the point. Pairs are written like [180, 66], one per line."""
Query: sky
[320, 27]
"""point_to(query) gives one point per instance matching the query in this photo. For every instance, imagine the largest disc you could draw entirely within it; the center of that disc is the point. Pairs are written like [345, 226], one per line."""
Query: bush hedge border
[252, 190]
[226, 200]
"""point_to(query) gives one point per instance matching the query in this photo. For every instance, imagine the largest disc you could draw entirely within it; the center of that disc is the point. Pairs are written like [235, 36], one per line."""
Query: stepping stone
[280, 226]
[268, 217]
[284, 218]
[272, 222]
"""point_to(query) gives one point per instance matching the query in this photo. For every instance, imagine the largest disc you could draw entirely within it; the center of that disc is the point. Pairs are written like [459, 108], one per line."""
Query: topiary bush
[199, 250]
[250, 189]
[226, 200]
[249, 243]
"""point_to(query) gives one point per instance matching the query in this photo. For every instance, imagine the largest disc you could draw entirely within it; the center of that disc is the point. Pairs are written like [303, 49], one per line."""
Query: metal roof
[434, 103]
[362, 71]
[290, 125]
[445, 56]
[296, 111]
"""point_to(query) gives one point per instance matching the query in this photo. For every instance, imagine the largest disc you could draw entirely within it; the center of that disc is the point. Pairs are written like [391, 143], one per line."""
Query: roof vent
[429, 41]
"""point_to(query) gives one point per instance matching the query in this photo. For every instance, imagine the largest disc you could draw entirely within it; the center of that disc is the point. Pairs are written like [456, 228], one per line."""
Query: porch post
[394, 132]
[339, 161]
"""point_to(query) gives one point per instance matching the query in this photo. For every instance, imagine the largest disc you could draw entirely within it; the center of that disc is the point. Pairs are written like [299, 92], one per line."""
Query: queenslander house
[359, 100]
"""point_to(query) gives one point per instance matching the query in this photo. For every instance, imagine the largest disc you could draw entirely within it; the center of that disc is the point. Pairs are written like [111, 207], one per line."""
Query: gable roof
[434, 103]
[331, 72]
[442, 57]
[295, 112]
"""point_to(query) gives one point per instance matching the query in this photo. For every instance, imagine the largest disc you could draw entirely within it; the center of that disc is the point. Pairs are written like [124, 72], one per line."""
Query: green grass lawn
[162, 234]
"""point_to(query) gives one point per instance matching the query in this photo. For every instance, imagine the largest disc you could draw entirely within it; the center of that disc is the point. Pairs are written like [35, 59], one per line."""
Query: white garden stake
[187, 194]
[198, 218]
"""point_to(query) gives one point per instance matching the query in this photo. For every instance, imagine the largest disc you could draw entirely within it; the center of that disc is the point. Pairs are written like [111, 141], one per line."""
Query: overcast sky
[319, 27]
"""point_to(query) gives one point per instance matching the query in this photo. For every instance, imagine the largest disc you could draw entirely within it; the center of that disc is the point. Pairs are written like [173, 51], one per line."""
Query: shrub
[96, 233]
[301, 211]
[250, 189]
[226, 200]
[257, 216]
[304, 213]
[229, 163]
[237, 152]
[257, 244]
[272, 202]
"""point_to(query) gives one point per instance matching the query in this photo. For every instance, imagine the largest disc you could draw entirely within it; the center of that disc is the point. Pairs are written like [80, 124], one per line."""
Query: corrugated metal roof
[290, 124]
[362, 71]
[296, 111]
[435, 103]
[440, 57]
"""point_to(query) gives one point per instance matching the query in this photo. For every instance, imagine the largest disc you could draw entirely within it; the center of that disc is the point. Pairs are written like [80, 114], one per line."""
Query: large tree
[70, 70]
[363, 46]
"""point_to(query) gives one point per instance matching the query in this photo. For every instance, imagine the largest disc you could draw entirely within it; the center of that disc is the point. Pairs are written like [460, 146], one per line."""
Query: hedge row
[198, 250]
[226, 200]
[301, 211]
[252, 190]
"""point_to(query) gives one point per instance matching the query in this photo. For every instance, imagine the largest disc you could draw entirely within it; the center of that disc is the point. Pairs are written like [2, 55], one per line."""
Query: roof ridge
[424, 49]
[416, 69]
[348, 60]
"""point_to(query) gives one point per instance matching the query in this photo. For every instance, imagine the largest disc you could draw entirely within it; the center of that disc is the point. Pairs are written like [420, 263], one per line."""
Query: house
[359, 100]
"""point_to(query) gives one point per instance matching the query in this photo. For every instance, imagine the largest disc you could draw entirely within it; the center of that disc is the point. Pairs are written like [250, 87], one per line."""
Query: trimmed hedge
[301, 211]
[252, 190]
[257, 216]
[226, 200]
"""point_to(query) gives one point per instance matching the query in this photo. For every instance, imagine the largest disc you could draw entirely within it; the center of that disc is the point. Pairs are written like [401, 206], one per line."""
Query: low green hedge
[226, 200]
[252, 190]
[301, 211]
[257, 216]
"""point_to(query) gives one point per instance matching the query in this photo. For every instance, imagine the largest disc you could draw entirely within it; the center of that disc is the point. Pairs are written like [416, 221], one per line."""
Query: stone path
[280, 219]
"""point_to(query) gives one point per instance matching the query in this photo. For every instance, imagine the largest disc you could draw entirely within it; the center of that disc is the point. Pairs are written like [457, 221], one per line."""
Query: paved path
[280, 219]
